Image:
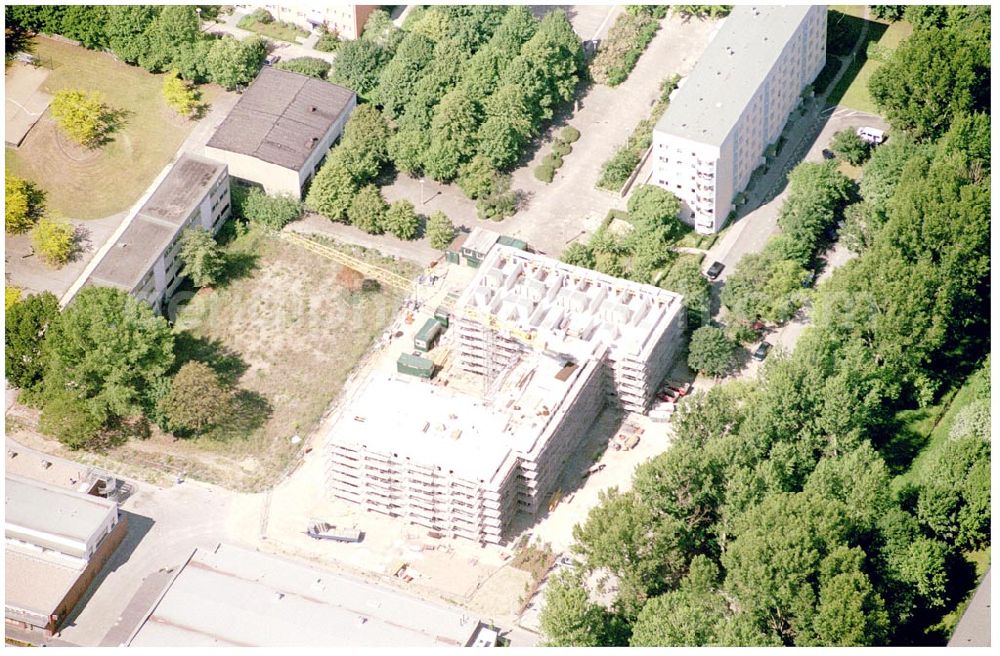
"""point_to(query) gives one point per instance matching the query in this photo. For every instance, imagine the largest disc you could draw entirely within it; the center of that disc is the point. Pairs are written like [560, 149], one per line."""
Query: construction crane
[384, 276]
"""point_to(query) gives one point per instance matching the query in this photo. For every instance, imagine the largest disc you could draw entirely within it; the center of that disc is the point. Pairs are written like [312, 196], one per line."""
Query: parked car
[682, 389]
[761, 351]
[321, 530]
[714, 270]
[828, 154]
[271, 60]
[667, 394]
[593, 469]
[809, 279]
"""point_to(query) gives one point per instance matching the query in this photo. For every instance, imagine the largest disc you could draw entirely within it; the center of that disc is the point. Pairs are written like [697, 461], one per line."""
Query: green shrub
[274, 212]
[561, 148]
[553, 160]
[328, 42]
[545, 172]
[618, 54]
[311, 66]
[250, 21]
[569, 134]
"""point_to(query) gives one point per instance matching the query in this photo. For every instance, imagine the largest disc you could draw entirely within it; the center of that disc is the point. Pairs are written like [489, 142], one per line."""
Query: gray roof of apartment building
[157, 222]
[708, 105]
[52, 510]
[232, 596]
[281, 117]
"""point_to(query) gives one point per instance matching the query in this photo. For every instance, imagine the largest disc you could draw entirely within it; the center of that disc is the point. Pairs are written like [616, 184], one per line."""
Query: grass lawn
[276, 30]
[845, 24]
[936, 432]
[287, 334]
[92, 184]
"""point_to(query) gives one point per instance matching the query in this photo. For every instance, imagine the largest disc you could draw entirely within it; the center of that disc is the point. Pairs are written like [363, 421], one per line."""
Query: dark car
[828, 154]
[271, 60]
[761, 351]
[714, 270]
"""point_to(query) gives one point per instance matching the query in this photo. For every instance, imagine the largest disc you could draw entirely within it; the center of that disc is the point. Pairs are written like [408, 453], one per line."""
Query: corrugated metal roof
[237, 597]
[281, 117]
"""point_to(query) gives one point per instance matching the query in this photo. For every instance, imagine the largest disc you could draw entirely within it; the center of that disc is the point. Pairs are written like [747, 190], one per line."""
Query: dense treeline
[158, 38]
[463, 90]
[775, 517]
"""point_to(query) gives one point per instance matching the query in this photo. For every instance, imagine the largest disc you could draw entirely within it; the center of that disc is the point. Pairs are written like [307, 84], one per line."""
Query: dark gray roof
[712, 98]
[183, 189]
[281, 116]
[157, 223]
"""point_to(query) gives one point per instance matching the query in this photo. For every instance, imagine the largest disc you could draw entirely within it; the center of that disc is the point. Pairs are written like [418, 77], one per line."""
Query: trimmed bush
[569, 134]
[561, 148]
[553, 160]
[545, 172]
[274, 212]
[311, 66]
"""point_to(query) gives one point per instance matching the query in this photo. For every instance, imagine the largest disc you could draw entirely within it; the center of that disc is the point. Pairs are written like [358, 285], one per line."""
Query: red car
[668, 394]
[682, 389]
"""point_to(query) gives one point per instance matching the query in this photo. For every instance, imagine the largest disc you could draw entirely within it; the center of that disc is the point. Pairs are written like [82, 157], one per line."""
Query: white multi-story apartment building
[734, 104]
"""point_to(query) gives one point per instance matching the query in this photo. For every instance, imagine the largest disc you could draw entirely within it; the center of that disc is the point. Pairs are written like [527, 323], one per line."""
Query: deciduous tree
[197, 399]
[368, 210]
[54, 241]
[440, 230]
[203, 261]
[81, 115]
[24, 203]
[26, 324]
[332, 190]
[710, 351]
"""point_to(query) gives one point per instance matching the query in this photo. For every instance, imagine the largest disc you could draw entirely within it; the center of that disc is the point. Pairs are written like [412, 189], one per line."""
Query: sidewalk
[282, 48]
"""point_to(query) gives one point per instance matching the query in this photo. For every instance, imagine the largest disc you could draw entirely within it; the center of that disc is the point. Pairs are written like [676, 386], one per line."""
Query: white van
[873, 136]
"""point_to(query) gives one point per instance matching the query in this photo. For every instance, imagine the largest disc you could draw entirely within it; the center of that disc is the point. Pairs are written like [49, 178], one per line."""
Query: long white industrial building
[734, 104]
[541, 347]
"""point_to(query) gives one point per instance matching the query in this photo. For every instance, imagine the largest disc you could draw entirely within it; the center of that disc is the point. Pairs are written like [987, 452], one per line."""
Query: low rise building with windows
[279, 133]
[734, 104]
[144, 260]
[55, 542]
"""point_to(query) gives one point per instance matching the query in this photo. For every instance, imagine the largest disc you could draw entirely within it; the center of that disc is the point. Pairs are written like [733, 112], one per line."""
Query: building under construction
[540, 346]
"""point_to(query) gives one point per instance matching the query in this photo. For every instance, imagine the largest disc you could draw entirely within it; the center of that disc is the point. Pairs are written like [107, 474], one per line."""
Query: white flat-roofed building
[55, 542]
[547, 345]
[734, 104]
[235, 597]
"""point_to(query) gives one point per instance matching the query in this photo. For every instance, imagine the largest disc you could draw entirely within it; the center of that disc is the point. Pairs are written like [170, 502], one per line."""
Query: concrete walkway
[282, 48]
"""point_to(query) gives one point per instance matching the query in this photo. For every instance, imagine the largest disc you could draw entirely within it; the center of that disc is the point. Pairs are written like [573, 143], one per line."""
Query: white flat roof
[237, 597]
[454, 430]
[708, 105]
[48, 509]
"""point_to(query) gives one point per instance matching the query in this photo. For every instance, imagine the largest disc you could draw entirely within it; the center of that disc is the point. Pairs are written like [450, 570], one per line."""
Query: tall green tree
[401, 220]
[197, 399]
[332, 189]
[933, 76]
[232, 64]
[27, 321]
[368, 210]
[106, 349]
[203, 260]
[440, 230]
[358, 66]
[710, 351]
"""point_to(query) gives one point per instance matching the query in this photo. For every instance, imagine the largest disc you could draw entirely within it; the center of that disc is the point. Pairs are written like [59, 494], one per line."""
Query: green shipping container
[511, 241]
[413, 365]
[473, 262]
[442, 314]
[427, 335]
[452, 257]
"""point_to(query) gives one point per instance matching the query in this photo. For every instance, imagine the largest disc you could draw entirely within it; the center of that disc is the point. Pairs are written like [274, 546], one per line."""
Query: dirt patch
[287, 335]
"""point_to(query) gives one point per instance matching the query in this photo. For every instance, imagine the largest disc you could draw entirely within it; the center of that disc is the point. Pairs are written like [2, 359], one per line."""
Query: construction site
[471, 423]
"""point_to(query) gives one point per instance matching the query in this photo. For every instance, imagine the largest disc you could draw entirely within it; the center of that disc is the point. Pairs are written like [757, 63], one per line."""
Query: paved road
[973, 629]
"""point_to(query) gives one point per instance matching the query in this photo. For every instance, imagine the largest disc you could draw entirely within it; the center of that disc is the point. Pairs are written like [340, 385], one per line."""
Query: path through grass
[93, 184]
